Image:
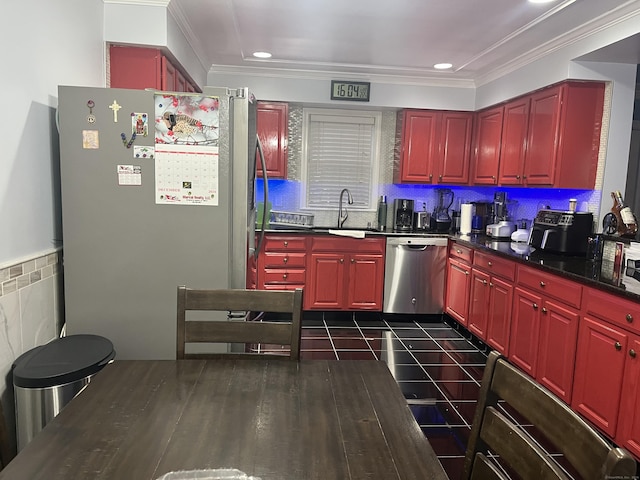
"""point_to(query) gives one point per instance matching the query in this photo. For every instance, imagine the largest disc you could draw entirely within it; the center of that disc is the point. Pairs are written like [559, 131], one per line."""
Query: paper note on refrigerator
[186, 175]
[129, 175]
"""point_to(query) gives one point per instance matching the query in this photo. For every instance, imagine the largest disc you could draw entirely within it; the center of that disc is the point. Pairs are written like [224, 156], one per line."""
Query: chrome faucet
[342, 212]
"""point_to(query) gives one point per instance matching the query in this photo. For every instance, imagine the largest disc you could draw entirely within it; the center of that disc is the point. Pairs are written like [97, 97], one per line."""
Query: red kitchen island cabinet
[345, 274]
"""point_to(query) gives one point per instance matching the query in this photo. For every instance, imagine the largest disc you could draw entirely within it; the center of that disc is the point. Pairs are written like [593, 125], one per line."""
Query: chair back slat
[484, 469]
[281, 332]
[511, 406]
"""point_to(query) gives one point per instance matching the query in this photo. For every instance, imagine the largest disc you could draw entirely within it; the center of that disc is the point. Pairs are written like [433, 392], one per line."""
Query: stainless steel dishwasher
[414, 274]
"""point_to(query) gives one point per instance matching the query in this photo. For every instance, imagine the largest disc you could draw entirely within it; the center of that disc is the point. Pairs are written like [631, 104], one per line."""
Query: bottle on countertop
[627, 226]
[382, 213]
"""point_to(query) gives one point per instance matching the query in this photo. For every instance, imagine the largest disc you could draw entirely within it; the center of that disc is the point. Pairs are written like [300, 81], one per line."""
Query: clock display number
[357, 91]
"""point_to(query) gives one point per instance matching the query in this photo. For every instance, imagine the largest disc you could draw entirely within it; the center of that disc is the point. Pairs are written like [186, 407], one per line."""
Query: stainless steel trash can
[46, 378]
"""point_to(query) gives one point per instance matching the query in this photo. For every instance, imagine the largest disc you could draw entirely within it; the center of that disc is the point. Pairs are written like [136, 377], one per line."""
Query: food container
[281, 219]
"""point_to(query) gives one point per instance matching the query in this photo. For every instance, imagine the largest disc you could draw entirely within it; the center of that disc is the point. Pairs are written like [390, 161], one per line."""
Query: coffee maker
[402, 215]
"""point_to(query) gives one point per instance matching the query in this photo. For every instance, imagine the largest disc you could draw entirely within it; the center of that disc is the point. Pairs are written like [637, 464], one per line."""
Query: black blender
[441, 220]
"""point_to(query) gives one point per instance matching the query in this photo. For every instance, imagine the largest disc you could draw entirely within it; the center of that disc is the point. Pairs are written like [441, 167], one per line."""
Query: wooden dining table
[273, 419]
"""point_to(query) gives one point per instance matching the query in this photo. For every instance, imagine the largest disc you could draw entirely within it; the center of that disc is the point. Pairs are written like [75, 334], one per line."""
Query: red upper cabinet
[143, 67]
[419, 146]
[552, 137]
[435, 146]
[273, 131]
[454, 147]
[513, 143]
[486, 146]
[168, 78]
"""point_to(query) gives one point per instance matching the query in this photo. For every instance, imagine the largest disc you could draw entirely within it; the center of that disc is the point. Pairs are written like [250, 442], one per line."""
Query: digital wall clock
[354, 91]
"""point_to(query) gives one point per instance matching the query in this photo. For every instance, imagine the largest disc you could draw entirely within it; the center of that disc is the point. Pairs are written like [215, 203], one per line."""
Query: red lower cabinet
[599, 373]
[479, 304]
[557, 348]
[525, 328]
[345, 274]
[458, 289]
[628, 435]
[499, 322]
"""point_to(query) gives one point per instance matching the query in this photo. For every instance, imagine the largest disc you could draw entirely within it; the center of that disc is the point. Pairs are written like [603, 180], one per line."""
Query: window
[340, 151]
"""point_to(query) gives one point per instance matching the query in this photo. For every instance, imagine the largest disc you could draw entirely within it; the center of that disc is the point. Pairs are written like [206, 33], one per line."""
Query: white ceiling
[395, 38]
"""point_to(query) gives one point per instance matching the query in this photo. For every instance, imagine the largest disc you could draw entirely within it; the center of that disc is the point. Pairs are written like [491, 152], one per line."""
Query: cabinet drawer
[615, 309]
[330, 243]
[554, 286]
[273, 243]
[463, 253]
[282, 276]
[495, 265]
[283, 286]
[276, 260]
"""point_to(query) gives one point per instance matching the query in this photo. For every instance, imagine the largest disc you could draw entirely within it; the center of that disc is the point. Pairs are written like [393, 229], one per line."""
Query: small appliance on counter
[562, 232]
[421, 220]
[402, 215]
[523, 232]
[440, 219]
[501, 227]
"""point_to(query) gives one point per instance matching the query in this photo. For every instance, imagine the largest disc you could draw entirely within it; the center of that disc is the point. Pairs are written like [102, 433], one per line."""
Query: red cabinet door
[557, 348]
[168, 75]
[419, 146]
[486, 146]
[325, 288]
[454, 147]
[542, 136]
[479, 303]
[525, 329]
[181, 83]
[458, 285]
[514, 138]
[499, 320]
[365, 282]
[134, 67]
[598, 374]
[628, 435]
[272, 125]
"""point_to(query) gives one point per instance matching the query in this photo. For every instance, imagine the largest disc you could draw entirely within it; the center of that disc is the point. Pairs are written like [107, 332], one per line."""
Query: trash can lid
[62, 361]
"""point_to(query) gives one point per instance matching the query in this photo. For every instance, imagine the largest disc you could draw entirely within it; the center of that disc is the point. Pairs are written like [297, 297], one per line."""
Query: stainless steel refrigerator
[138, 219]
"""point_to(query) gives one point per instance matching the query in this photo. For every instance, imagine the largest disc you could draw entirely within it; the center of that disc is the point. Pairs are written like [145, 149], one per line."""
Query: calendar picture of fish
[186, 120]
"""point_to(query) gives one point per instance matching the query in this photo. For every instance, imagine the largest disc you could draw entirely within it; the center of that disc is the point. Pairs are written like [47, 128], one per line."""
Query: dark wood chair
[518, 423]
[246, 330]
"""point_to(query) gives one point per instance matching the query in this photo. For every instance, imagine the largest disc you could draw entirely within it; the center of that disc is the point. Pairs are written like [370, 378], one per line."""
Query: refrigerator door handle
[265, 195]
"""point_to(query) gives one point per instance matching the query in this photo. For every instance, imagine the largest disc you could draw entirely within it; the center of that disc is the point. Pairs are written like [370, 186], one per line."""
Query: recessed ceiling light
[442, 66]
[262, 54]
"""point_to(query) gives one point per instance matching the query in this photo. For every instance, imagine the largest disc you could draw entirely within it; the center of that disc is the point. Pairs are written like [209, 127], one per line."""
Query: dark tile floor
[436, 367]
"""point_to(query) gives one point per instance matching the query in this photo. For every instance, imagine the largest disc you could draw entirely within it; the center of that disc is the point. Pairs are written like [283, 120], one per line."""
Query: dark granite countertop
[595, 274]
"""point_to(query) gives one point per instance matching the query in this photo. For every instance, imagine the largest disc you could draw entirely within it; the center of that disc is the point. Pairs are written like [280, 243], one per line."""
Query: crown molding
[310, 74]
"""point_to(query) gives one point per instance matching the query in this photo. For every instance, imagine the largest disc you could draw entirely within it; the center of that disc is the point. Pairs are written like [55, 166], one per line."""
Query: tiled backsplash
[20, 275]
[31, 313]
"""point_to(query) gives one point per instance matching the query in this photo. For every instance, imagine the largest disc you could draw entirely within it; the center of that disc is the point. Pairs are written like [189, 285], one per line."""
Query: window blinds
[340, 153]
